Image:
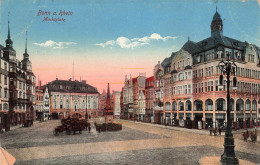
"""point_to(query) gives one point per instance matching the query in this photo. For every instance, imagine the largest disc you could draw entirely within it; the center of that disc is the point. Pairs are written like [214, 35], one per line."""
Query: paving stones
[135, 144]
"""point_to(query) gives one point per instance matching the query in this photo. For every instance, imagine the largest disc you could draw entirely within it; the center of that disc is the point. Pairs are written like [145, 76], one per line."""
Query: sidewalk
[197, 131]
[18, 126]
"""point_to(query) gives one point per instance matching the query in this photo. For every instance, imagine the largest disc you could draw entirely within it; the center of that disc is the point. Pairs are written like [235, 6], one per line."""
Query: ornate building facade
[69, 98]
[186, 86]
[192, 96]
[149, 99]
[17, 90]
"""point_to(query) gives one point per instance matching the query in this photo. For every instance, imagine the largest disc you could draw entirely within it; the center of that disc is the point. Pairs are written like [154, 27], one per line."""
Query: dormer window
[198, 58]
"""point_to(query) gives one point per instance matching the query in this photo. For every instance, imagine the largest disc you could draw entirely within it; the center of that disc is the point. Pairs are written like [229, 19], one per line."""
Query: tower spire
[9, 36]
[108, 105]
[216, 8]
[26, 43]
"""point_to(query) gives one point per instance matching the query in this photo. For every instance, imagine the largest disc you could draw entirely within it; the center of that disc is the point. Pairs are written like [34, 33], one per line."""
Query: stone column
[251, 121]
[204, 115]
[184, 115]
[235, 114]
[214, 114]
[244, 113]
[177, 118]
[192, 115]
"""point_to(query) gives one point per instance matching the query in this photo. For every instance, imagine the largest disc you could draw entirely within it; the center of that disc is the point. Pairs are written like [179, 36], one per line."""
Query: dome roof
[8, 41]
[217, 17]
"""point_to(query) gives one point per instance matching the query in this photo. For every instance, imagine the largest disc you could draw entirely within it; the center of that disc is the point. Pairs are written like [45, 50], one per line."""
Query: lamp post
[228, 157]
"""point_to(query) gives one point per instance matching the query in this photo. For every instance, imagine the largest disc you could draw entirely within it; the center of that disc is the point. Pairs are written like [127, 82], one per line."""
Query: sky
[108, 39]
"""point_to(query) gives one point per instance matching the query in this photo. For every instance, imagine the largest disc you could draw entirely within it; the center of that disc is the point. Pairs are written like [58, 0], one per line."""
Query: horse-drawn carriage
[71, 125]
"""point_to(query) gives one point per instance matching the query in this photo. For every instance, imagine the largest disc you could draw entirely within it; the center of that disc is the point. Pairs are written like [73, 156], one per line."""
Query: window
[185, 89]
[5, 106]
[5, 80]
[189, 88]
[180, 76]
[5, 65]
[5, 93]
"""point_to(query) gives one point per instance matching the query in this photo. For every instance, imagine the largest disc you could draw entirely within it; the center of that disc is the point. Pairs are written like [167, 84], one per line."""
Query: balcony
[12, 75]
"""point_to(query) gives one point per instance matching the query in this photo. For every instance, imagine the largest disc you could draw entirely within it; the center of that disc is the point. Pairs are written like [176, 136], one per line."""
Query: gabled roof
[167, 61]
[211, 42]
[191, 47]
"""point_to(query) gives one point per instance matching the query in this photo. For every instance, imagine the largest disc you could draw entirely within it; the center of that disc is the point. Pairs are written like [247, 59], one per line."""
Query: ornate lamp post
[228, 157]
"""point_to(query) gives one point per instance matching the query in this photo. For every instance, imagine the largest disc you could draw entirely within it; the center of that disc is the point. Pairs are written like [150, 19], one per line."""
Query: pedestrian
[219, 131]
[89, 129]
[214, 131]
[245, 136]
[252, 136]
[210, 131]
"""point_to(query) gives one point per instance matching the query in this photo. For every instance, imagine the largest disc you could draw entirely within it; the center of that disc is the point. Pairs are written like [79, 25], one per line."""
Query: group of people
[214, 131]
[253, 136]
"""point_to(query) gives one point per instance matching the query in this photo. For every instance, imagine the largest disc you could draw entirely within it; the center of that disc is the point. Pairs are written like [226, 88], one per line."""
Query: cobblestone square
[137, 143]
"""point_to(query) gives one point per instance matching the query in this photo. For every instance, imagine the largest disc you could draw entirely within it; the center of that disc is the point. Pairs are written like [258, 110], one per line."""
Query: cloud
[127, 43]
[54, 45]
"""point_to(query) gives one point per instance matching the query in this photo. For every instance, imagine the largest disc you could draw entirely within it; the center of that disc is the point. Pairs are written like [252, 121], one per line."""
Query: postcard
[133, 82]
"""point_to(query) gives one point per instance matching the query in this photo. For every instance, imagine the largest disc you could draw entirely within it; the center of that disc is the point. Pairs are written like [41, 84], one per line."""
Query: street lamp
[228, 68]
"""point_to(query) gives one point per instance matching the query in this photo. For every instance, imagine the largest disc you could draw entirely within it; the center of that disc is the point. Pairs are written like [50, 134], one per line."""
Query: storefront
[168, 118]
[208, 121]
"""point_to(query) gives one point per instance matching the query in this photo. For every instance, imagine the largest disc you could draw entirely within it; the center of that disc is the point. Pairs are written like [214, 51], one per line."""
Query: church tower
[27, 65]
[216, 25]
[8, 51]
[109, 114]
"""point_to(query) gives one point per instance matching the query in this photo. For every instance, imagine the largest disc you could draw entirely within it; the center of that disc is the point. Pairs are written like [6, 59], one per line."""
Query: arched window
[254, 105]
[209, 105]
[220, 104]
[198, 104]
[188, 105]
[174, 106]
[248, 105]
[240, 105]
[167, 106]
[181, 106]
